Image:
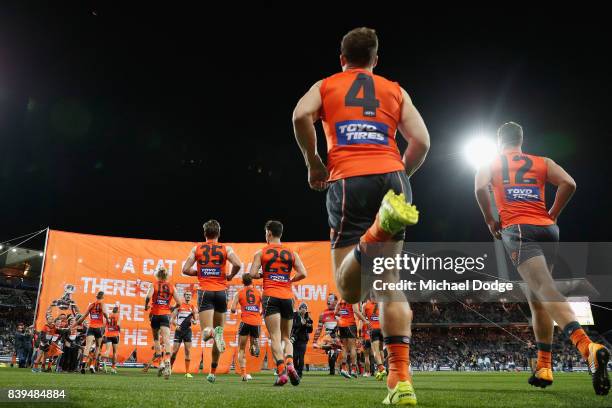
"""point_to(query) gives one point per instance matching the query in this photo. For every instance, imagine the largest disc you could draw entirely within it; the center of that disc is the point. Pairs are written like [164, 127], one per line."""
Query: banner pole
[42, 269]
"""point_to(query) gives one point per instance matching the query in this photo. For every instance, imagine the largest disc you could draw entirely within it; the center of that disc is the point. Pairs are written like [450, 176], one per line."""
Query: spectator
[302, 327]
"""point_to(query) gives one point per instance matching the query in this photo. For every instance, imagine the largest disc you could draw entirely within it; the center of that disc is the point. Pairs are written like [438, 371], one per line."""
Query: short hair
[246, 279]
[162, 273]
[100, 295]
[275, 228]
[212, 229]
[359, 46]
[510, 134]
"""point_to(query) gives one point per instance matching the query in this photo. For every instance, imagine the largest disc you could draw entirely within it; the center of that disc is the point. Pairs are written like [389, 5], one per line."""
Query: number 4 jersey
[360, 112]
[518, 182]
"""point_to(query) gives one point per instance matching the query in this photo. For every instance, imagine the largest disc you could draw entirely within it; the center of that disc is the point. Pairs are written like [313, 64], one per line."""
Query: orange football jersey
[277, 263]
[211, 259]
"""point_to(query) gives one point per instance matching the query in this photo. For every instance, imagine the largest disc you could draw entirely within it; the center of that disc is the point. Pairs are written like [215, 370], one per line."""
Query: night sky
[145, 122]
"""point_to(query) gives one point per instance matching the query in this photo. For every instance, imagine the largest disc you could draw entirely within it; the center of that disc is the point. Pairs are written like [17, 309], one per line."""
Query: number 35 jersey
[518, 182]
[211, 259]
[360, 113]
[277, 263]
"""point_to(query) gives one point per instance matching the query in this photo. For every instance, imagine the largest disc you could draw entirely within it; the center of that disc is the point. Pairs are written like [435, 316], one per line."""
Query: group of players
[369, 203]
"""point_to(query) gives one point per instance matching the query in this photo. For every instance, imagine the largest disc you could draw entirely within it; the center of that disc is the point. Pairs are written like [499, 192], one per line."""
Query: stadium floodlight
[14, 250]
[479, 151]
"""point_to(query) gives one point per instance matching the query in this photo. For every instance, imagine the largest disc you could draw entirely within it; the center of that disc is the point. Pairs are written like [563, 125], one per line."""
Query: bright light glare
[479, 151]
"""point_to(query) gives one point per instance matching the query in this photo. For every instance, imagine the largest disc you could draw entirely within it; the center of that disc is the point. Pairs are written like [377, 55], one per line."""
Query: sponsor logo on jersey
[210, 272]
[252, 308]
[279, 277]
[522, 193]
[352, 132]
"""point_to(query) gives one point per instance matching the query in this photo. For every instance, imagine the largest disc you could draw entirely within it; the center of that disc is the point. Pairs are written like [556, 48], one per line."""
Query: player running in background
[370, 311]
[369, 194]
[530, 235]
[327, 325]
[96, 312]
[184, 316]
[45, 337]
[365, 346]
[160, 294]
[277, 261]
[347, 330]
[249, 300]
[111, 339]
[211, 258]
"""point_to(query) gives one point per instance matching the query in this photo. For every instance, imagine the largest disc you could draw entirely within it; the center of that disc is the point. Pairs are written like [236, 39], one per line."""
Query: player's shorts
[111, 339]
[524, 241]
[367, 344]
[246, 329]
[352, 204]
[158, 321]
[97, 332]
[216, 300]
[183, 335]
[273, 305]
[376, 334]
[44, 347]
[349, 332]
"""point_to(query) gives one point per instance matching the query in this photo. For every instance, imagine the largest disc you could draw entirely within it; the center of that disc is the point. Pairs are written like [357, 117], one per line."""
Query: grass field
[131, 388]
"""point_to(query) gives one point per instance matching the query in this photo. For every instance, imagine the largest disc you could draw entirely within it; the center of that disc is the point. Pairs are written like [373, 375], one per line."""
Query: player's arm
[255, 265]
[337, 309]
[234, 302]
[85, 314]
[148, 297]
[319, 330]
[413, 129]
[103, 307]
[189, 264]
[233, 258]
[300, 268]
[360, 316]
[566, 186]
[176, 297]
[481, 189]
[173, 316]
[305, 114]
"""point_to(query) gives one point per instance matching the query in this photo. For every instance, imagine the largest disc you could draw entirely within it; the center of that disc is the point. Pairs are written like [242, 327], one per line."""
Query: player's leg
[273, 324]
[535, 272]
[164, 332]
[242, 342]
[115, 345]
[346, 355]
[286, 325]
[352, 349]
[347, 273]
[89, 341]
[366, 358]
[187, 349]
[543, 329]
[176, 345]
[206, 323]
[378, 360]
[219, 346]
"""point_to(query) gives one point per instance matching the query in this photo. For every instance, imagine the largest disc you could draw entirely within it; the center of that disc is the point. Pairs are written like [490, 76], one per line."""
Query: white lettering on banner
[146, 270]
[136, 337]
[128, 266]
[310, 292]
[112, 287]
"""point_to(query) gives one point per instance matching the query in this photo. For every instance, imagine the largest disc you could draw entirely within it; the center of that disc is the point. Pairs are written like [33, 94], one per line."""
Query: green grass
[131, 388]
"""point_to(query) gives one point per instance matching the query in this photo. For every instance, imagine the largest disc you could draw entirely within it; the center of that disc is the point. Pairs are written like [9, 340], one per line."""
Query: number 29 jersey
[360, 112]
[276, 264]
[519, 182]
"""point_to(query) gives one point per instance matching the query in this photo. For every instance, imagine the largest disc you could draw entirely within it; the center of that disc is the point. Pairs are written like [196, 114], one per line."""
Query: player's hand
[317, 174]
[146, 307]
[316, 346]
[495, 228]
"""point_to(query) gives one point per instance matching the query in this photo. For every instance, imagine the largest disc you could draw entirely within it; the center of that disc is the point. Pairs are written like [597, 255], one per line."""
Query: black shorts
[158, 321]
[183, 335]
[376, 335]
[349, 332]
[216, 300]
[246, 329]
[111, 339]
[367, 344]
[97, 332]
[352, 204]
[274, 305]
[524, 241]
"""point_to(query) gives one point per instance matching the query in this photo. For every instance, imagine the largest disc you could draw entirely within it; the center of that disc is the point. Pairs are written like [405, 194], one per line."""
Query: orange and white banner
[124, 267]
